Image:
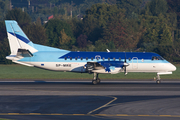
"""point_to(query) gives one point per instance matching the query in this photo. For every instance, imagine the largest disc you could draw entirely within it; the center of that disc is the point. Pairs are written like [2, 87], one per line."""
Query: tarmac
[79, 100]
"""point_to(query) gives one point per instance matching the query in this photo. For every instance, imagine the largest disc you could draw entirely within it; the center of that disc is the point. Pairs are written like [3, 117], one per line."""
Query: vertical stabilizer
[17, 38]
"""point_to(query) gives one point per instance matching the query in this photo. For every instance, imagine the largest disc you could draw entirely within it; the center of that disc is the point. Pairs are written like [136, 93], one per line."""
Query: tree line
[119, 25]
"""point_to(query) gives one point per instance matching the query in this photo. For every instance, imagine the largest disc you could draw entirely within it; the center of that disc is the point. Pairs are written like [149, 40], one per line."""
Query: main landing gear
[158, 79]
[96, 80]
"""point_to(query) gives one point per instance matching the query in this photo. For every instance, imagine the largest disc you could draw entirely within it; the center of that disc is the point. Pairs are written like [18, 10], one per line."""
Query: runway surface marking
[115, 98]
[107, 115]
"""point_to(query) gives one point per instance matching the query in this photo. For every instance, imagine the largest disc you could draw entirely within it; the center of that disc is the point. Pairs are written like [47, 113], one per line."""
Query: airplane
[25, 52]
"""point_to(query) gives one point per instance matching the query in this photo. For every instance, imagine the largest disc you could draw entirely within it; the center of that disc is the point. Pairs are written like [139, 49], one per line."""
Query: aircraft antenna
[107, 50]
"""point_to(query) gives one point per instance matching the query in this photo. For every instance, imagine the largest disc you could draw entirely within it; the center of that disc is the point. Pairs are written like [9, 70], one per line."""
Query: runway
[54, 100]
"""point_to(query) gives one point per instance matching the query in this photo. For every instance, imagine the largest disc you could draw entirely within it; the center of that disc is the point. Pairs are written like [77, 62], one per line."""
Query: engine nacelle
[114, 71]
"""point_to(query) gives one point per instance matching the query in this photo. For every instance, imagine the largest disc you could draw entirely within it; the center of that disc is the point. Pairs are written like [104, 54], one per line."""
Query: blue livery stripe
[20, 37]
[110, 55]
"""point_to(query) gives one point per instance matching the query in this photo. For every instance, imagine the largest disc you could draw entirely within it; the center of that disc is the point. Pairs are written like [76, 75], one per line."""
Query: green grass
[23, 72]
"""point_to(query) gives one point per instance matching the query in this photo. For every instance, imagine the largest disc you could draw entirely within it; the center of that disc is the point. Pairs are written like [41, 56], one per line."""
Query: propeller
[125, 65]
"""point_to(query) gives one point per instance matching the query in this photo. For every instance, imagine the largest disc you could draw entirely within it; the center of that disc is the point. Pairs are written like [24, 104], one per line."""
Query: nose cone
[172, 67]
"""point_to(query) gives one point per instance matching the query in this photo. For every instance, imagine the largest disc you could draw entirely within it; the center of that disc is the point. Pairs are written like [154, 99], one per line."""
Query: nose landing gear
[158, 79]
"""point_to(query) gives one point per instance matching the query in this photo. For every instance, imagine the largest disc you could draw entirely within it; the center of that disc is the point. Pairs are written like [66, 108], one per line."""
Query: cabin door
[134, 63]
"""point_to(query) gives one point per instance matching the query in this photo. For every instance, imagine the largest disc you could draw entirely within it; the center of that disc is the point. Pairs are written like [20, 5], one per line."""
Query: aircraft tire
[94, 82]
[98, 80]
[158, 81]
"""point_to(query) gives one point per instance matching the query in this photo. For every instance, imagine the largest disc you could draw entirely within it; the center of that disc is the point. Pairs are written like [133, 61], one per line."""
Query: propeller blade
[125, 64]
[125, 58]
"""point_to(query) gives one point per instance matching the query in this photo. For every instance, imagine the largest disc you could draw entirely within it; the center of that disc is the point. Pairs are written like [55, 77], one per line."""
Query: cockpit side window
[153, 58]
[157, 58]
[160, 58]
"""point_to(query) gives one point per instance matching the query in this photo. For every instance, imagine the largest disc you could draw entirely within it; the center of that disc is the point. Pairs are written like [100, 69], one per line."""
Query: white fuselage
[79, 67]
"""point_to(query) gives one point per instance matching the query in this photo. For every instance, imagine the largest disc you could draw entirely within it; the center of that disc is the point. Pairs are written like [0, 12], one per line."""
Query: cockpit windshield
[157, 58]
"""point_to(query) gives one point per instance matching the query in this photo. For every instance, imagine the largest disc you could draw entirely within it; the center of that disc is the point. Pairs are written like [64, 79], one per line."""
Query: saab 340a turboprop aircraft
[24, 52]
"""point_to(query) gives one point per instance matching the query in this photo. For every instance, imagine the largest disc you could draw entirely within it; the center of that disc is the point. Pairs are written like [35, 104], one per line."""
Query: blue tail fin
[17, 38]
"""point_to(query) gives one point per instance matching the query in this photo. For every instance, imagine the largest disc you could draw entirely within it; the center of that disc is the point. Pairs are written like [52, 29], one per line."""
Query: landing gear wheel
[94, 82]
[98, 80]
[158, 81]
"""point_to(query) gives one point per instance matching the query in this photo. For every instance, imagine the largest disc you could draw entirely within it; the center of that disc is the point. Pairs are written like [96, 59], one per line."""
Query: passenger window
[86, 58]
[65, 58]
[108, 59]
[75, 58]
[129, 59]
[91, 58]
[114, 59]
[81, 58]
[70, 58]
[119, 59]
[103, 58]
